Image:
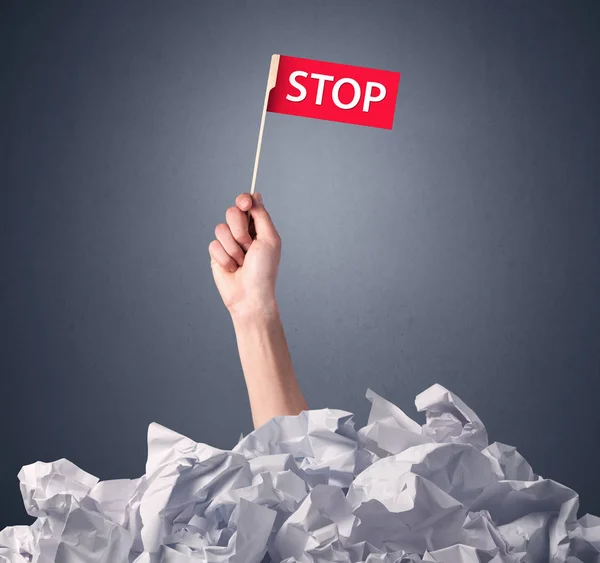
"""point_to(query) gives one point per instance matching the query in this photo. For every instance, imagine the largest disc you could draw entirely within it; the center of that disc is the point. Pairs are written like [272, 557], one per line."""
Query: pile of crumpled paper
[312, 489]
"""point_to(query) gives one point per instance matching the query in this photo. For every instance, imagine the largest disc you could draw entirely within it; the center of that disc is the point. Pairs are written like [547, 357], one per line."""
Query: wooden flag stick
[270, 85]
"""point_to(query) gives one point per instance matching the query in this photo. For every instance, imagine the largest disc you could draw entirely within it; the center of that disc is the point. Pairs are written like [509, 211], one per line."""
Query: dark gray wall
[463, 247]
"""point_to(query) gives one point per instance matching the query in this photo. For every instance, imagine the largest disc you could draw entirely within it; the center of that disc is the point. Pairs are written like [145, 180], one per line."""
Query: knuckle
[240, 197]
[221, 229]
[232, 212]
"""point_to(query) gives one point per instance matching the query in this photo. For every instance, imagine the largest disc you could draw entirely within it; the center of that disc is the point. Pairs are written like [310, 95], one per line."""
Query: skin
[245, 258]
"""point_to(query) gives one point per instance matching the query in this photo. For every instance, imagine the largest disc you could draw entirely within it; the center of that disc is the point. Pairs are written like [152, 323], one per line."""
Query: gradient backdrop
[463, 247]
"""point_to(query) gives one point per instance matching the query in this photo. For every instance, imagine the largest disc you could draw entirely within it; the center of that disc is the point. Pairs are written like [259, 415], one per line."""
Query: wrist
[254, 313]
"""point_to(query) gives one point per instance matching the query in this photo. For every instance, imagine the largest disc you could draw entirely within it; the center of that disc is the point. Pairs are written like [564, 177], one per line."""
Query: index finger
[244, 201]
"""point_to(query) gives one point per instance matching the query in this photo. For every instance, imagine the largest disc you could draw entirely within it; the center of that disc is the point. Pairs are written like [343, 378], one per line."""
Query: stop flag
[329, 91]
[334, 92]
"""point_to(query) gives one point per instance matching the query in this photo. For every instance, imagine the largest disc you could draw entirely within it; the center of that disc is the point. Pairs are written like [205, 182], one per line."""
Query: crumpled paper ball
[312, 489]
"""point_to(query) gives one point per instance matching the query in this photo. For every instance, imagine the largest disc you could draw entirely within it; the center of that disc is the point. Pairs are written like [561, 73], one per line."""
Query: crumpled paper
[312, 489]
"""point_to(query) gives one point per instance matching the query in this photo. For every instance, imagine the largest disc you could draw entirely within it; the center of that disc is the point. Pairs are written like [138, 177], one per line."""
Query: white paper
[312, 489]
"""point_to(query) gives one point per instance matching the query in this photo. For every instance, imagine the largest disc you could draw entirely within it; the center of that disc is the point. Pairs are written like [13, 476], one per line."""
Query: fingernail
[259, 197]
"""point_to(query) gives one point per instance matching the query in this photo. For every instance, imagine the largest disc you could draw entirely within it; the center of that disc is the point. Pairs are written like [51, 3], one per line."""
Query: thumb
[265, 229]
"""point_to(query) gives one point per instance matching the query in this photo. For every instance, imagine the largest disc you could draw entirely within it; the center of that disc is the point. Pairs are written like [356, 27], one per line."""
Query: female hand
[245, 257]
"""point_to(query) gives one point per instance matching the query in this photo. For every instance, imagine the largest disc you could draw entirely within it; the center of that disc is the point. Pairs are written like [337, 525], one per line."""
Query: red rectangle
[335, 92]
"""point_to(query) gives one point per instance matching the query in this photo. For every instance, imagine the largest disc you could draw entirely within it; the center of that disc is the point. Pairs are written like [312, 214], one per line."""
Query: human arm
[245, 260]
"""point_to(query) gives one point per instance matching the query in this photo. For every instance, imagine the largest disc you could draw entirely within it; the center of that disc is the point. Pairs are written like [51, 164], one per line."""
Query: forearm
[265, 358]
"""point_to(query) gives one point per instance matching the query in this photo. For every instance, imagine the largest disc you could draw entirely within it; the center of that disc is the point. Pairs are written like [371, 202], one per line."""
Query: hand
[245, 257]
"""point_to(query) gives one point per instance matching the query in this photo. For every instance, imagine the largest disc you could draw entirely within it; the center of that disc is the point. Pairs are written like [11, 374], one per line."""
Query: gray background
[461, 248]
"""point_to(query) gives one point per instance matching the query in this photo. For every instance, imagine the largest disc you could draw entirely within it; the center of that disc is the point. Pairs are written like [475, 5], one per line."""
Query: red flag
[335, 92]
